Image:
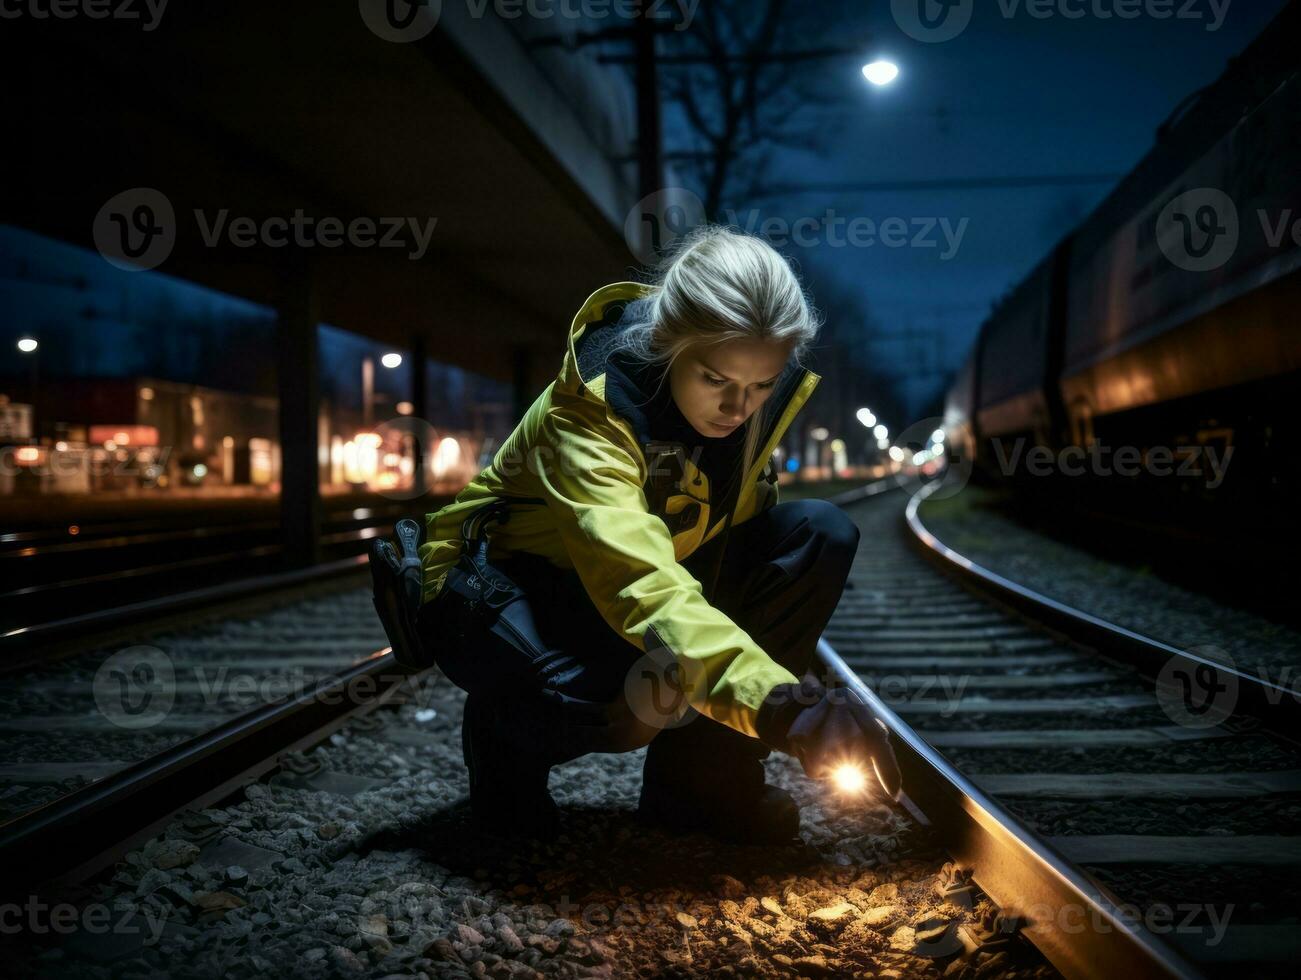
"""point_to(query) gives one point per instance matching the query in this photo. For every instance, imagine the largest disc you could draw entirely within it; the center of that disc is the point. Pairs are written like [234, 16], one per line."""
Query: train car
[1015, 405]
[1165, 323]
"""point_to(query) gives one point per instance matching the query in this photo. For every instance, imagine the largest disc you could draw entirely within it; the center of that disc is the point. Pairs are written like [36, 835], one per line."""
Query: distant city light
[405, 408]
[200, 471]
[881, 432]
[27, 344]
[820, 433]
[837, 445]
[881, 72]
[391, 360]
[147, 394]
[865, 416]
[896, 453]
[937, 435]
[883, 444]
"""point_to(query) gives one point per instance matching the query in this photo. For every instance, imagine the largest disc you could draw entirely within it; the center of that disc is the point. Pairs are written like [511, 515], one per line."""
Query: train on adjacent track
[1158, 341]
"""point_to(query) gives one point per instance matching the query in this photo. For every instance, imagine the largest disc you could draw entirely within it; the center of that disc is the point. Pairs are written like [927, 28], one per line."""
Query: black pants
[782, 576]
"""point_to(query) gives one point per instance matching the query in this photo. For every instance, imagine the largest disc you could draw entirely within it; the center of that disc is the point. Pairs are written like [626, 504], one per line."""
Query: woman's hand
[827, 729]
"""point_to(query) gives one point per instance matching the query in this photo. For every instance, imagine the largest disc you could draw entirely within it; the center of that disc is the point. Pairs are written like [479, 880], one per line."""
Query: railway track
[101, 747]
[115, 569]
[1132, 834]
[1051, 770]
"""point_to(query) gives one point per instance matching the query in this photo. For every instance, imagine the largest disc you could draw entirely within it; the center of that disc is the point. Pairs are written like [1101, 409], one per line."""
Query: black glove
[826, 728]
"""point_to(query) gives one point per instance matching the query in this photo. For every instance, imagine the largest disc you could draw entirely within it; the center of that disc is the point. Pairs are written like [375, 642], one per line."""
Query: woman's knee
[835, 530]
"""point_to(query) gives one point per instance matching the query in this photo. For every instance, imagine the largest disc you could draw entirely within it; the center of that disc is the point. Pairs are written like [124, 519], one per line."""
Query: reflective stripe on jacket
[589, 464]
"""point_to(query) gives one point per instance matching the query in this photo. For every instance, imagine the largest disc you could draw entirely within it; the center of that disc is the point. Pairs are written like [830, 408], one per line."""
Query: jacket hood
[590, 370]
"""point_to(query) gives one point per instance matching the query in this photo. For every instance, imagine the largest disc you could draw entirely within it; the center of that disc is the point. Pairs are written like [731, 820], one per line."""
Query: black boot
[706, 776]
[509, 767]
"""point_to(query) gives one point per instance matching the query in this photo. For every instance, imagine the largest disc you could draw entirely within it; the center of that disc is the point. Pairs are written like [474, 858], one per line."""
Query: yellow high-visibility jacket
[603, 519]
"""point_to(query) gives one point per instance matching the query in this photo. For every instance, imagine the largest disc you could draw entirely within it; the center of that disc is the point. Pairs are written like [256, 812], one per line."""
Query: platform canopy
[256, 110]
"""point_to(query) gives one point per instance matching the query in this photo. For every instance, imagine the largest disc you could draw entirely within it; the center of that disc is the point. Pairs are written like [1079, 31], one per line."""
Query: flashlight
[849, 778]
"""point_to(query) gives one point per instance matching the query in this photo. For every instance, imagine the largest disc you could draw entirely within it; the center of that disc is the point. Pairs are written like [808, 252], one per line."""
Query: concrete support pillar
[298, 359]
[420, 409]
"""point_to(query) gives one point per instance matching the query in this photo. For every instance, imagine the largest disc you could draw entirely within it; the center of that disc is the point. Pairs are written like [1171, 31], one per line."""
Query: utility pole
[650, 167]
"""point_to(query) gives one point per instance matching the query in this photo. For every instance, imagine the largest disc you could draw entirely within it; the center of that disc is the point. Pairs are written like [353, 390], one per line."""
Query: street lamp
[30, 345]
[880, 72]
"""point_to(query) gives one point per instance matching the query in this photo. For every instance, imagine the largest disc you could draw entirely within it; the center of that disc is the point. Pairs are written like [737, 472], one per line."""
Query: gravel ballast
[383, 875]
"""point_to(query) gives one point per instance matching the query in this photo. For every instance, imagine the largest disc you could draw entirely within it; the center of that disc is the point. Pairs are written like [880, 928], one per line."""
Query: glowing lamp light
[881, 72]
[27, 344]
[865, 416]
[849, 778]
[937, 435]
[391, 360]
[880, 431]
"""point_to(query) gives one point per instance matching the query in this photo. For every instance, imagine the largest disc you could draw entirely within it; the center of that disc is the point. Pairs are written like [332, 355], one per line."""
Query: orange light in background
[28, 454]
[124, 435]
[74, 529]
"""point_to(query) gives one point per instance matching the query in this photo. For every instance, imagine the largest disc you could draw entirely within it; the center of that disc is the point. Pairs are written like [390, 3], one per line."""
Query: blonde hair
[717, 284]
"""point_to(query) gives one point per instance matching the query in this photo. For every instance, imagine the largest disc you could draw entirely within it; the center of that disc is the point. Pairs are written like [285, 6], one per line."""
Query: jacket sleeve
[590, 476]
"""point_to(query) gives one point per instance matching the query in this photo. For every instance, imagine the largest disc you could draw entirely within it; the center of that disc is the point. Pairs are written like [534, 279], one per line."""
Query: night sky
[1018, 97]
[1010, 96]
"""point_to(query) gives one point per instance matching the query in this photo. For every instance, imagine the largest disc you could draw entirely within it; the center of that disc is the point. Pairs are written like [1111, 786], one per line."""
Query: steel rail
[84, 831]
[1275, 706]
[1081, 931]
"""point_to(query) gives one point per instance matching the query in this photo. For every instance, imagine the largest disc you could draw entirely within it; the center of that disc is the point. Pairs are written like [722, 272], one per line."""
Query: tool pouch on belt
[397, 585]
[488, 598]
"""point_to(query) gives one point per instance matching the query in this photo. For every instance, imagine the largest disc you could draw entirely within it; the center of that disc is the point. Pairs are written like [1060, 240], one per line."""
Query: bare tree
[744, 80]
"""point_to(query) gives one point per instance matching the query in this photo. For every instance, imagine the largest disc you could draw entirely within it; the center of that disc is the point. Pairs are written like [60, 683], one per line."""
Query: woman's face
[719, 386]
